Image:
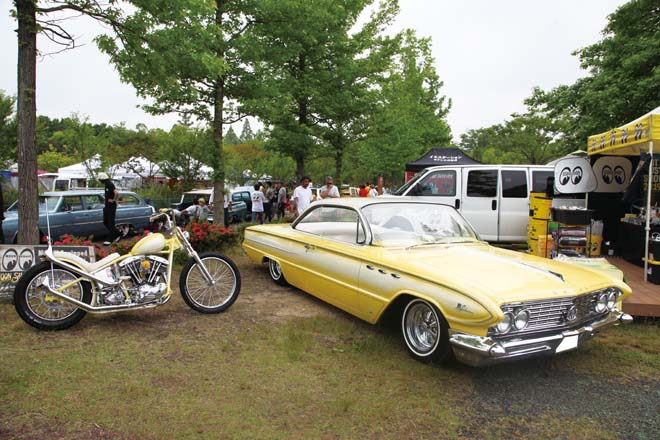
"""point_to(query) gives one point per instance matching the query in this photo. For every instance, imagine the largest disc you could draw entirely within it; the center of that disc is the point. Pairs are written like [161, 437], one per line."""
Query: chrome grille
[551, 314]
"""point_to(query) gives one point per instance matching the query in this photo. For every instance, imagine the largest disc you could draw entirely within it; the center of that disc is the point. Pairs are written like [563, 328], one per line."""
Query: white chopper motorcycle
[58, 292]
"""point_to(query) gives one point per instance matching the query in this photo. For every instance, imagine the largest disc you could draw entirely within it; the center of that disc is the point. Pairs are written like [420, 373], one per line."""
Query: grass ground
[281, 365]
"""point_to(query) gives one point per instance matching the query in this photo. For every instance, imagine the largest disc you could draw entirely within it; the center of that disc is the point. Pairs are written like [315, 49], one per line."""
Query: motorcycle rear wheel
[215, 298]
[42, 310]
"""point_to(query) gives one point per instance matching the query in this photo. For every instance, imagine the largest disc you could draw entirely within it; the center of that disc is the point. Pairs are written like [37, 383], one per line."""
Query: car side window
[128, 200]
[334, 222]
[72, 203]
[93, 202]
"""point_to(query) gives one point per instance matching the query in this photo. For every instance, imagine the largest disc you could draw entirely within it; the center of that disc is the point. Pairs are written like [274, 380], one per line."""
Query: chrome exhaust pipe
[102, 309]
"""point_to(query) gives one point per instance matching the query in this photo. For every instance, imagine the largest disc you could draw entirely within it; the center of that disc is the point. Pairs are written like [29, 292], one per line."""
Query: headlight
[521, 319]
[601, 303]
[505, 325]
[611, 299]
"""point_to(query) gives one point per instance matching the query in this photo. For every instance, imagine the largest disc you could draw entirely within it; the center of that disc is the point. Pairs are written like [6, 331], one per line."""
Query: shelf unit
[573, 234]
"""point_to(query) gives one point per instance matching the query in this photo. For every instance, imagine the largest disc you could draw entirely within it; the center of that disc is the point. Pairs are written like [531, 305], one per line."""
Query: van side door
[481, 200]
[514, 204]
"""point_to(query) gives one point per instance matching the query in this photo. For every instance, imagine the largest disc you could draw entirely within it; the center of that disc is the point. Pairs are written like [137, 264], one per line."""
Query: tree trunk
[339, 159]
[300, 166]
[219, 160]
[28, 195]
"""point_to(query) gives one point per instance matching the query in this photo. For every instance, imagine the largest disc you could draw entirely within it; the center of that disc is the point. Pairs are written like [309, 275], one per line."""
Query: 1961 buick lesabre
[450, 291]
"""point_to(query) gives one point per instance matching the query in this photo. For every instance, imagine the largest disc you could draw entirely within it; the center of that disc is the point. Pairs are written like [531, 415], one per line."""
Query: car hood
[502, 275]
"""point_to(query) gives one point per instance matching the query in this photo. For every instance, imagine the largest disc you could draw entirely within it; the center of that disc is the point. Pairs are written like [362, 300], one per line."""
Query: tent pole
[648, 212]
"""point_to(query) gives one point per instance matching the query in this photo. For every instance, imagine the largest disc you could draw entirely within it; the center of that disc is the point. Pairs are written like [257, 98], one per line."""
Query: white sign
[613, 174]
[574, 176]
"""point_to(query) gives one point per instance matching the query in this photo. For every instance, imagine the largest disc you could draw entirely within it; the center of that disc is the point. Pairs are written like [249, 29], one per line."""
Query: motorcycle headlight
[521, 319]
[505, 325]
[601, 303]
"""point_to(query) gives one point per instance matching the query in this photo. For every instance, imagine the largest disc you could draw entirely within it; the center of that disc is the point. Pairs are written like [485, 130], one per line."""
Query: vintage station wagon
[80, 212]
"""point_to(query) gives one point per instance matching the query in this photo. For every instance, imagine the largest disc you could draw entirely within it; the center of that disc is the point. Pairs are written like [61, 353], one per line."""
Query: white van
[494, 198]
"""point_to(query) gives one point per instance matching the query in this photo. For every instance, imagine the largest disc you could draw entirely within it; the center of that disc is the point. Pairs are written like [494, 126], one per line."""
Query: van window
[482, 183]
[540, 180]
[438, 183]
[514, 184]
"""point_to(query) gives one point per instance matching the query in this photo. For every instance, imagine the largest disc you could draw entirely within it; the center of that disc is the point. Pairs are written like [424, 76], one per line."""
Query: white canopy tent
[633, 139]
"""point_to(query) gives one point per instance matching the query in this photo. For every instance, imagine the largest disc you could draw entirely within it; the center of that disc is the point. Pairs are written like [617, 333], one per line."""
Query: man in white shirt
[373, 192]
[302, 195]
[198, 213]
[257, 204]
[329, 191]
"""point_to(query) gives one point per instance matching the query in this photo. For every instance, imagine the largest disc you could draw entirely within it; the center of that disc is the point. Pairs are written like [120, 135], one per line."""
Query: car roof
[82, 192]
[359, 202]
[199, 191]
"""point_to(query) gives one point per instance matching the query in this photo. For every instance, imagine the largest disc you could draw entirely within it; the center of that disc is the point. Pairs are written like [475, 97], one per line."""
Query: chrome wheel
[47, 306]
[124, 229]
[421, 327]
[275, 270]
[215, 296]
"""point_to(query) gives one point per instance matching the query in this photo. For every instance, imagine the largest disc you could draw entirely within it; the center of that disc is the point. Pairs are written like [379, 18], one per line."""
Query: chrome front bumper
[484, 350]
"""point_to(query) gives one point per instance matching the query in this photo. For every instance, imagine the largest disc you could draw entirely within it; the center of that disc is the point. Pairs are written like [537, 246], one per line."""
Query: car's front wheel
[425, 331]
[275, 271]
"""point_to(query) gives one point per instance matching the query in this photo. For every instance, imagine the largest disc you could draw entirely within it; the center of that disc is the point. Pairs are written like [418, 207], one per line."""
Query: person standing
[302, 195]
[199, 212]
[373, 192]
[257, 204]
[330, 191]
[110, 194]
[281, 199]
[363, 191]
[225, 207]
[268, 202]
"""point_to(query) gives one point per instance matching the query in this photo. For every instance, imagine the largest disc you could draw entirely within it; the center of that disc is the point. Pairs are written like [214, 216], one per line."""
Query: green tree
[52, 160]
[186, 56]
[230, 137]
[246, 134]
[181, 151]
[410, 115]
[623, 80]
[297, 52]
[7, 128]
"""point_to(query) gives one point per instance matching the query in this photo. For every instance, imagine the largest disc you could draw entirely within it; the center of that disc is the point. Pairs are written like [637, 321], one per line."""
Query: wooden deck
[645, 300]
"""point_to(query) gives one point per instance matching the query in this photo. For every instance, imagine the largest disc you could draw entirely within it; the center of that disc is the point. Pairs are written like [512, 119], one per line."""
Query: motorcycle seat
[89, 267]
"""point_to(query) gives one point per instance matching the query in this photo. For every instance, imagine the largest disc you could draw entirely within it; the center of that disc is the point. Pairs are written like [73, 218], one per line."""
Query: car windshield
[408, 184]
[412, 224]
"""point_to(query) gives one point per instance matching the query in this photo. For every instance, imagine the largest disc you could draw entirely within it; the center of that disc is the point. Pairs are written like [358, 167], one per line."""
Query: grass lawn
[280, 364]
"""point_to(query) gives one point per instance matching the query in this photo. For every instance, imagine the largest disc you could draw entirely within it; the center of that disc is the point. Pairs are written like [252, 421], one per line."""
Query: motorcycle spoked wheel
[215, 298]
[42, 310]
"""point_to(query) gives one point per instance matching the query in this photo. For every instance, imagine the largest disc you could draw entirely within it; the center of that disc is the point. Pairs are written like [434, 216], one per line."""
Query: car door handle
[370, 267]
[457, 204]
[310, 247]
[493, 205]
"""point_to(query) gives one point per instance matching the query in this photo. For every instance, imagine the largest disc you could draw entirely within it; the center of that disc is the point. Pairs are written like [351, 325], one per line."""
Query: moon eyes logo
[617, 176]
[567, 175]
[9, 260]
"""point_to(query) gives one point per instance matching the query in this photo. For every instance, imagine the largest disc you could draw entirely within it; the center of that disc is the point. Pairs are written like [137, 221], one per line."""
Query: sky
[489, 53]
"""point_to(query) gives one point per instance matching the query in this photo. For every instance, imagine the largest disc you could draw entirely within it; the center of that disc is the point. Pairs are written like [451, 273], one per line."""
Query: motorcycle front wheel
[43, 310]
[214, 297]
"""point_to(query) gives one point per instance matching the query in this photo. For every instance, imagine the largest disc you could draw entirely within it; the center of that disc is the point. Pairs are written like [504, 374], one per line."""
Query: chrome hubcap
[421, 327]
[275, 269]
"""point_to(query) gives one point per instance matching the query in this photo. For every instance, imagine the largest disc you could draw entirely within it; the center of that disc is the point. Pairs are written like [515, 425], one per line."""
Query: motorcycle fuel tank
[149, 245]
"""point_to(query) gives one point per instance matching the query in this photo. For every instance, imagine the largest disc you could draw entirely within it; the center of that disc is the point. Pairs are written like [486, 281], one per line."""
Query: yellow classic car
[451, 292]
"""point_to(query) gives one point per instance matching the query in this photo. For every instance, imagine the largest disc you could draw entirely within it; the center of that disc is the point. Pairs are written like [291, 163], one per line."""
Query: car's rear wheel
[425, 331]
[124, 229]
[275, 271]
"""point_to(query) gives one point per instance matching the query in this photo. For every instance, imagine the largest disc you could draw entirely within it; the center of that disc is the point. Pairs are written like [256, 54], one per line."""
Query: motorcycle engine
[145, 277]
